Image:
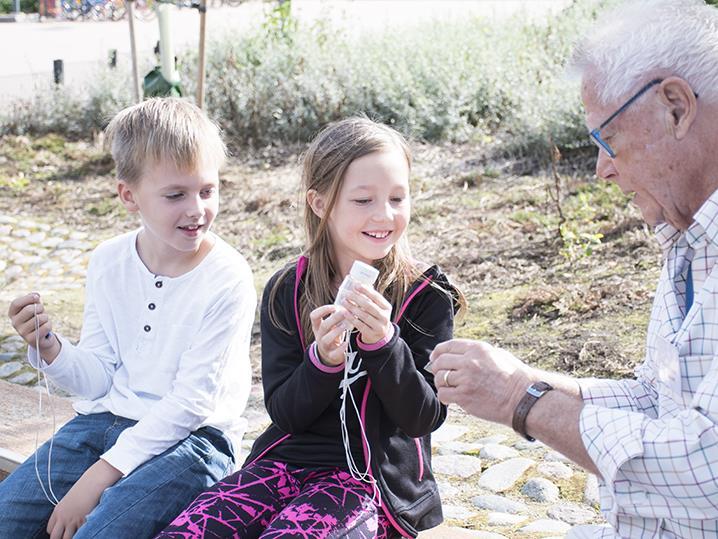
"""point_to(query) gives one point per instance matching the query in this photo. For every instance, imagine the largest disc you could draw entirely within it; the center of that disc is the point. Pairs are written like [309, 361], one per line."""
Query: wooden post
[201, 72]
[133, 52]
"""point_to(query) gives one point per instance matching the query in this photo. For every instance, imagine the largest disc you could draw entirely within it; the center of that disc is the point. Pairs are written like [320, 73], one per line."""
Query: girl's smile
[379, 236]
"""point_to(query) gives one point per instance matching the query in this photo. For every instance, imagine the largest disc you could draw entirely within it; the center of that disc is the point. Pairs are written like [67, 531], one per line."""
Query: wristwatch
[534, 392]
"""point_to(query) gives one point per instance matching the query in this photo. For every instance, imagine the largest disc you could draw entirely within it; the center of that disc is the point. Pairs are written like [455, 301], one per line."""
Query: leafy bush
[26, 6]
[75, 112]
[456, 81]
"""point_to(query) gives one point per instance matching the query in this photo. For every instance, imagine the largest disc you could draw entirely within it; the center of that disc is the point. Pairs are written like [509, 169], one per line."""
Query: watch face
[538, 389]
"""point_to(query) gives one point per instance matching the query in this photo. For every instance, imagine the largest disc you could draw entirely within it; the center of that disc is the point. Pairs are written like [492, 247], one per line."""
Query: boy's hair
[324, 166]
[163, 129]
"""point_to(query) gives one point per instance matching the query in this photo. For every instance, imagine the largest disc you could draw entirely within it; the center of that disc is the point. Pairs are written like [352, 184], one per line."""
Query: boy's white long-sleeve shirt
[171, 353]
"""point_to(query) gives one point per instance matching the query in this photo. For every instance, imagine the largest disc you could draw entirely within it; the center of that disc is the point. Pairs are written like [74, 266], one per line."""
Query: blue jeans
[137, 506]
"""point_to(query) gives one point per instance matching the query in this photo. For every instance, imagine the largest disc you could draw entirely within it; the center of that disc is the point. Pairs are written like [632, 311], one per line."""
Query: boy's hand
[81, 499]
[329, 326]
[369, 312]
[22, 316]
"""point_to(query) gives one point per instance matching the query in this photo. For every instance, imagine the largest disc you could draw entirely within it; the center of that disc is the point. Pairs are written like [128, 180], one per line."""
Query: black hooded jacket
[397, 398]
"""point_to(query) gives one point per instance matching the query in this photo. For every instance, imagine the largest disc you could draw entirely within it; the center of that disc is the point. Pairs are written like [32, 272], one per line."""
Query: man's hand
[489, 382]
[81, 499]
[22, 314]
[485, 381]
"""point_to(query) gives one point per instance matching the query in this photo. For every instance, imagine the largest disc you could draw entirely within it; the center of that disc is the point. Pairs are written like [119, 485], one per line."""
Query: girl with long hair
[348, 453]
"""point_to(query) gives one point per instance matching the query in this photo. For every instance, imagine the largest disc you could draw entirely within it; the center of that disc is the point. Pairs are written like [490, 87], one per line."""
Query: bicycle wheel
[70, 9]
[145, 10]
[118, 10]
[99, 11]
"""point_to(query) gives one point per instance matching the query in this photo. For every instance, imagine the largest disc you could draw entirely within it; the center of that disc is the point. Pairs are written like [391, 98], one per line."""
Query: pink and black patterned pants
[270, 499]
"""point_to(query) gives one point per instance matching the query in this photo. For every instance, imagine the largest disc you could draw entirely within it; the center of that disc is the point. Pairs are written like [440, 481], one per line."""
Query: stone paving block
[546, 525]
[456, 465]
[504, 475]
[556, 470]
[540, 489]
[452, 532]
[8, 369]
[23, 378]
[499, 504]
[590, 492]
[457, 512]
[571, 513]
[504, 519]
[498, 452]
[448, 432]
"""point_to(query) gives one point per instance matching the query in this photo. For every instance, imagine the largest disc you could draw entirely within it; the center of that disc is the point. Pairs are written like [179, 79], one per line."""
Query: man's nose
[605, 167]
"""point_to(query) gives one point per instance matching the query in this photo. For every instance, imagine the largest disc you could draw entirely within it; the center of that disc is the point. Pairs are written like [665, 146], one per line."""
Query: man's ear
[124, 190]
[316, 202]
[681, 106]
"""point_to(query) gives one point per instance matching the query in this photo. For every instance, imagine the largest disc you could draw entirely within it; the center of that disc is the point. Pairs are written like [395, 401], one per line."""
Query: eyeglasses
[596, 133]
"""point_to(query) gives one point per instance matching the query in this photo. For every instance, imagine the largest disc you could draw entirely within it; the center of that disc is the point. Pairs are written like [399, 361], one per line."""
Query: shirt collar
[667, 235]
[705, 223]
[703, 229]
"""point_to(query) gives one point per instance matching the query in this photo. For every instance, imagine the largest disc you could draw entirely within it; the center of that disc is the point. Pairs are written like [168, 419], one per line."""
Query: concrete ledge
[449, 532]
[9, 459]
[446, 532]
[20, 423]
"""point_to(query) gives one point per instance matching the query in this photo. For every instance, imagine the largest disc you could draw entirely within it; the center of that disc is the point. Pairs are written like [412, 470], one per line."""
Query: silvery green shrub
[474, 79]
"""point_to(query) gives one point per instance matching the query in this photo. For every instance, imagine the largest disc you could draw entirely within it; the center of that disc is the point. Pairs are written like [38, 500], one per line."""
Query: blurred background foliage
[475, 80]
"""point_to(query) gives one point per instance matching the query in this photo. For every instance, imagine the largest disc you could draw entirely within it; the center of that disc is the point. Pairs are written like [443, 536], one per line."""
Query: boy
[162, 366]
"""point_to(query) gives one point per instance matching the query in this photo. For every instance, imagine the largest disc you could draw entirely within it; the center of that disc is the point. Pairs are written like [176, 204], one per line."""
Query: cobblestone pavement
[493, 483]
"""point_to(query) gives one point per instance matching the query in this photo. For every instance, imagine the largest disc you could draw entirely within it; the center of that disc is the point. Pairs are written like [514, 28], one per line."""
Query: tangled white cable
[352, 373]
[40, 377]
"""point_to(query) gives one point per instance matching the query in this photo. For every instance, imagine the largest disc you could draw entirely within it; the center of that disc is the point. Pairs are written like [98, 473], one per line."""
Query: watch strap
[534, 392]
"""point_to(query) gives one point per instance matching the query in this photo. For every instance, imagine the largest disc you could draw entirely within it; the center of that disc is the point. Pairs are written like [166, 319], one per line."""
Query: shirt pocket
[163, 362]
[693, 370]
[700, 379]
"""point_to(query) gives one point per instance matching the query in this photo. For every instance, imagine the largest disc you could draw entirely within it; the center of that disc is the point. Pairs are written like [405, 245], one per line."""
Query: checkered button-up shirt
[655, 439]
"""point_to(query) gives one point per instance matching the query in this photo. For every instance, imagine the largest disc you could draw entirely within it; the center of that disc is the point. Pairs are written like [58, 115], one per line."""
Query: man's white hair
[639, 38]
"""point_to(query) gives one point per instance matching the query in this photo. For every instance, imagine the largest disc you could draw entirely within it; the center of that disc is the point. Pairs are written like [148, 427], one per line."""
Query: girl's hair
[163, 129]
[324, 166]
[636, 39]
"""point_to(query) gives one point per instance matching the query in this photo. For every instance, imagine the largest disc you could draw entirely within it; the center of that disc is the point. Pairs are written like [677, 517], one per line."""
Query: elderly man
[649, 77]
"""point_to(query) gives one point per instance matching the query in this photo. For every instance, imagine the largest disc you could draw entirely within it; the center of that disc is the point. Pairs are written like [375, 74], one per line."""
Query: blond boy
[162, 367]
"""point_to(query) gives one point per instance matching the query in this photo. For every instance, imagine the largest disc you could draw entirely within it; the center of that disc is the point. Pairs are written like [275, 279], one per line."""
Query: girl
[338, 405]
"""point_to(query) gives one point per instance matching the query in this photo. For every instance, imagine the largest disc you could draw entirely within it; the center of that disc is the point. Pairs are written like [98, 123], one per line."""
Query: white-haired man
[649, 76]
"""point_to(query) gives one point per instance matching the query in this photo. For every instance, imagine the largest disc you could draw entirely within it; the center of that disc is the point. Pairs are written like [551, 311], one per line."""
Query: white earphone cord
[351, 375]
[40, 377]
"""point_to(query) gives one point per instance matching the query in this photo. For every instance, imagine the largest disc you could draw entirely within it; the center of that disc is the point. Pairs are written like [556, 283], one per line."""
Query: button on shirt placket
[151, 309]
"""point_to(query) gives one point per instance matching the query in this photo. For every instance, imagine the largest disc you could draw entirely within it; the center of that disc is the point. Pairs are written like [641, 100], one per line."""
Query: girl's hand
[22, 314]
[328, 324]
[369, 312]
